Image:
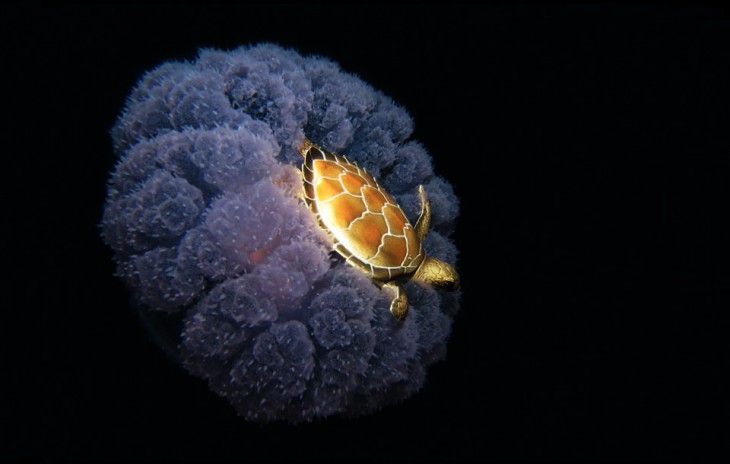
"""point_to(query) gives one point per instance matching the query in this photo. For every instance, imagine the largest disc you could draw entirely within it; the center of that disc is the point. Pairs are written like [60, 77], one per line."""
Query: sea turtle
[368, 227]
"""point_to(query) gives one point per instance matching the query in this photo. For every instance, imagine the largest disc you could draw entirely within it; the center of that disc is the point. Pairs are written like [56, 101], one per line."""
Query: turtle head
[438, 273]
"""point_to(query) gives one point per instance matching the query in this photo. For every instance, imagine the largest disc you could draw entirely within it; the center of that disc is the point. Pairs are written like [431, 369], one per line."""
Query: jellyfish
[205, 216]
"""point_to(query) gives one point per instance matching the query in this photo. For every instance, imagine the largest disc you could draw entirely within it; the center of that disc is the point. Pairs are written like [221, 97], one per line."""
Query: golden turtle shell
[369, 228]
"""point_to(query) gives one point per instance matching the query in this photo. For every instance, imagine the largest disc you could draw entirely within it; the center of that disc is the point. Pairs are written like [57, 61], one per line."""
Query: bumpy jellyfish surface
[205, 216]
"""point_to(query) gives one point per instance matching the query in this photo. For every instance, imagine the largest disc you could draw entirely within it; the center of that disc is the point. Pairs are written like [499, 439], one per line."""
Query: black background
[589, 146]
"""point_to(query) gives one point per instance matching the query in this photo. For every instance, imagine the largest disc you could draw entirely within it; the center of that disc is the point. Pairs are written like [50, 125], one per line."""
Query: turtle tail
[306, 146]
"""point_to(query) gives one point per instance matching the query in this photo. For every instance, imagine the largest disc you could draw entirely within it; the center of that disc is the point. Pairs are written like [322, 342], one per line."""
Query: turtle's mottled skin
[368, 227]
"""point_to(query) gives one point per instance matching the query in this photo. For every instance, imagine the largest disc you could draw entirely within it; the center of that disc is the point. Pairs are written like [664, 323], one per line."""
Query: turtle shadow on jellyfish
[206, 217]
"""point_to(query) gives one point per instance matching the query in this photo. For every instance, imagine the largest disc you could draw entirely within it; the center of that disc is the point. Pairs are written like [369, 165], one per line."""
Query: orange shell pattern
[369, 228]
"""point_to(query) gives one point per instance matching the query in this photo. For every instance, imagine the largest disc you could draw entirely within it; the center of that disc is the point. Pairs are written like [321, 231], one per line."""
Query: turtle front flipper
[399, 305]
[424, 220]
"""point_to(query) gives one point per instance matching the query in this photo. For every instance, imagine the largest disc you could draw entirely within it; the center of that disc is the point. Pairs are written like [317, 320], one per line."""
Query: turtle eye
[448, 284]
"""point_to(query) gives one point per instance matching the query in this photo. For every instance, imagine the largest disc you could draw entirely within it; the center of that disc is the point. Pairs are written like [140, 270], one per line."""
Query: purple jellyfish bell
[210, 233]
